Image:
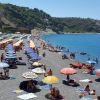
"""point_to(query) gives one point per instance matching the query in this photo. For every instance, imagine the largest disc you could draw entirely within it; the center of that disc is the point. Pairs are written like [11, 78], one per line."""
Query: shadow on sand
[97, 80]
[23, 86]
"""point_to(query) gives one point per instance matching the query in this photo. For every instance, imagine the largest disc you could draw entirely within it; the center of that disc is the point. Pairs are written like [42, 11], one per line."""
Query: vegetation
[14, 18]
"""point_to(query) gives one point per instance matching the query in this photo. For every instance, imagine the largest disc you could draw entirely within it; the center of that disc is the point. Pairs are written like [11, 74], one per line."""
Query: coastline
[54, 61]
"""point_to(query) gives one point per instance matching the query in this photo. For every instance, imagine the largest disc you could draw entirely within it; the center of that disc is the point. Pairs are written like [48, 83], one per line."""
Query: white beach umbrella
[3, 65]
[29, 75]
[91, 62]
[38, 70]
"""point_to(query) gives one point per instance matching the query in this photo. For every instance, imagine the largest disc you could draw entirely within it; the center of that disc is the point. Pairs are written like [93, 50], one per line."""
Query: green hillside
[14, 18]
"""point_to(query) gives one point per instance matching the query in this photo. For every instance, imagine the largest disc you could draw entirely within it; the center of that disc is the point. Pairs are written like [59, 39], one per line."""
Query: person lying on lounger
[31, 86]
[70, 82]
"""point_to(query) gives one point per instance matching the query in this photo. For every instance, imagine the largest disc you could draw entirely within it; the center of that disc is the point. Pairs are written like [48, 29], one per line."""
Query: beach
[54, 61]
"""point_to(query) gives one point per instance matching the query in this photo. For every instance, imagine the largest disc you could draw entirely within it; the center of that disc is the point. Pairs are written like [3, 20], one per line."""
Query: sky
[63, 8]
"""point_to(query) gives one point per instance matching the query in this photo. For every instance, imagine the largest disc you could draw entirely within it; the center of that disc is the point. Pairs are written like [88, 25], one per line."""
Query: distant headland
[22, 19]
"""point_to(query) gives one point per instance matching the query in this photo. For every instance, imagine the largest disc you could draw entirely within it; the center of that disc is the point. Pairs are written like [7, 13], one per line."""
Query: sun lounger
[20, 62]
[71, 83]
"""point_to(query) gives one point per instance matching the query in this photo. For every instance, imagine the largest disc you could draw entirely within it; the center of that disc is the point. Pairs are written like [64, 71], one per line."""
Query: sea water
[77, 43]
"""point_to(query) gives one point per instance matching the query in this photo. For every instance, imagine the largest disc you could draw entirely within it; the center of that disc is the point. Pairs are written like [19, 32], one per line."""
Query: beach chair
[71, 82]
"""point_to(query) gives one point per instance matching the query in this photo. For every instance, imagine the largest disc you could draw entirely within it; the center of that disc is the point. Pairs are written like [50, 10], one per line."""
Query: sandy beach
[54, 61]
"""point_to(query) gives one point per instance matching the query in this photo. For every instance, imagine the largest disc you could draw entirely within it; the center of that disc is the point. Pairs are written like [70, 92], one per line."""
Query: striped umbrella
[29, 75]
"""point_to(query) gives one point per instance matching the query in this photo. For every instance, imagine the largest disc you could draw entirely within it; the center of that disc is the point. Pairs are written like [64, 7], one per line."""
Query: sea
[78, 43]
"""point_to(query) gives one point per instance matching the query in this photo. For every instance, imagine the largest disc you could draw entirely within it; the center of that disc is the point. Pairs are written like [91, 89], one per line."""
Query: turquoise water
[89, 43]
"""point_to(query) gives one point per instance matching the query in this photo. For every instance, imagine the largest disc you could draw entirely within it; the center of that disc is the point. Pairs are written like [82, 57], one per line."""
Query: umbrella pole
[51, 89]
[68, 78]
[50, 86]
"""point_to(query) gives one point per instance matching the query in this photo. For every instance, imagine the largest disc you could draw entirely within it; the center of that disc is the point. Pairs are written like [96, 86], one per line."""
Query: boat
[83, 53]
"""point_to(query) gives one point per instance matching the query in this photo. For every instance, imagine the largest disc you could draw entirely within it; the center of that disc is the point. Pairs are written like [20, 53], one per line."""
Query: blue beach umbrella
[10, 52]
[29, 50]
[86, 98]
[10, 56]
[34, 56]
[3, 65]
[9, 47]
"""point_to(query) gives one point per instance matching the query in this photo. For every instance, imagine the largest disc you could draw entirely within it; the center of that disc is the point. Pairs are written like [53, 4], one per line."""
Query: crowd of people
[55, 92]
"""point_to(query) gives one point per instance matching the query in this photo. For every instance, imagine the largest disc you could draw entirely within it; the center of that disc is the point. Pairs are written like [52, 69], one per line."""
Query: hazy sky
[63, 8]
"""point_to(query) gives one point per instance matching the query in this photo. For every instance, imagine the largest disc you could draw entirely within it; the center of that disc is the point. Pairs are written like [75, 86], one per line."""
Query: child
[93, 92]
[87, 89]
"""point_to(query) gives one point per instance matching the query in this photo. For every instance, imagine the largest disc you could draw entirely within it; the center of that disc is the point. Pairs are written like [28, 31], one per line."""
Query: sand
[51, 60]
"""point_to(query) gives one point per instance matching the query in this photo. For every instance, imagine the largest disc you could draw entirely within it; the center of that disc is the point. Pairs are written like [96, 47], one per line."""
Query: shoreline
[56, 63]
[51, 60]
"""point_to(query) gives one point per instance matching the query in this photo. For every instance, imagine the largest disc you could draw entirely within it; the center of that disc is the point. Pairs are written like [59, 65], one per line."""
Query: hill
[14, 18]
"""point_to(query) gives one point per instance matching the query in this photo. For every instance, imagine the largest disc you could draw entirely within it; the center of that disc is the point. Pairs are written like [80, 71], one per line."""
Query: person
[45, 70]
[68, 77]
[1, 75]
[89, 58]
[91, 69]
[37, 51]
[87, 89]
[44, 54]
[56, 94]
[93, 92]
[97, 60]
[98, 98]
[72, 55]
[64, 56]
[2, 57]
[81, 95]
[30, 86]
[49, 73]
[6, 72]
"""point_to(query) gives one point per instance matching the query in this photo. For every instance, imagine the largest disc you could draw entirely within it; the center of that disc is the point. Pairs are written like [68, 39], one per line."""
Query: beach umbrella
[51, 80]
[29, 50]
[91, 62]
[86, 98]
[29, 75]
[18, 43]
[10, 56]
[34, 56]
[10, 52]
[38, 70]
[3, 65]
[97, 72]
[68, 71]
[37, 64]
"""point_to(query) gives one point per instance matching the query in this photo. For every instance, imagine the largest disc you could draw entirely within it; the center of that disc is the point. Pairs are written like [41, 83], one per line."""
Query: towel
[86, 80]
[18, 91]
[27, 96]
[45, 87]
